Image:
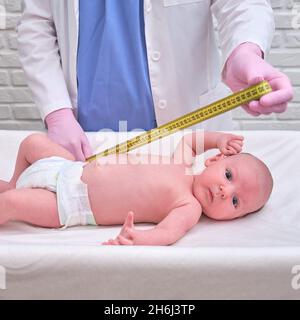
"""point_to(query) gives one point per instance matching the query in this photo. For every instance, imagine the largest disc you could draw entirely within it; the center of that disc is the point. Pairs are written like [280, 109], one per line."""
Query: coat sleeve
[243, 21]
[40, 59]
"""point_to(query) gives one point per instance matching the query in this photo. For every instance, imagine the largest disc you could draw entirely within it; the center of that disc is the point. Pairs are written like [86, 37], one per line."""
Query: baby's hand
[230, 144]
[126, 235]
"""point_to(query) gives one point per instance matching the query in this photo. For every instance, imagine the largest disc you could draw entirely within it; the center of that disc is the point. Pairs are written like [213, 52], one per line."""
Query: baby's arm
[173, 227]
[200, 141]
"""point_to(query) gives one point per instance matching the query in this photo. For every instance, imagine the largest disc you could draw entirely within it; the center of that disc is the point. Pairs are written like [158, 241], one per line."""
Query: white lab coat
[184, 62]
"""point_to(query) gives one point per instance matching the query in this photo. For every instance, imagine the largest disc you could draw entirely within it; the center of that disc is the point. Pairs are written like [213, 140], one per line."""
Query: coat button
[162, 104]
[148, 7]
[155, 55]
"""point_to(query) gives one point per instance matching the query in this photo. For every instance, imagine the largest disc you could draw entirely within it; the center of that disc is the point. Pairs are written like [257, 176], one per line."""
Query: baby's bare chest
[151, 190]
[144, 179]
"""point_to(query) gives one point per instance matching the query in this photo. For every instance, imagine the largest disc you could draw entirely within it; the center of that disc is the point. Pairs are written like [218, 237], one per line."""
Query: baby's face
[231, 187]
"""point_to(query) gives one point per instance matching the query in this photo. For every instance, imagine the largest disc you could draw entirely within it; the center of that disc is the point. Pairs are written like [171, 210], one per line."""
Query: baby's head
[231, 187]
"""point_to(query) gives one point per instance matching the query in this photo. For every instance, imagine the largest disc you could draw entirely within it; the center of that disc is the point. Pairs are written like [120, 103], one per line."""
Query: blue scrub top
[112, 70]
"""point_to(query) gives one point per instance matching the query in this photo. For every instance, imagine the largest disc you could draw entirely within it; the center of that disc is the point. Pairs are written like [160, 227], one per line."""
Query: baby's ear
[212, 160]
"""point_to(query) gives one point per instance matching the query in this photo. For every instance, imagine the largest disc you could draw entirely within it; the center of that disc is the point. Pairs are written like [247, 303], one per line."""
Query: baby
[50, 189]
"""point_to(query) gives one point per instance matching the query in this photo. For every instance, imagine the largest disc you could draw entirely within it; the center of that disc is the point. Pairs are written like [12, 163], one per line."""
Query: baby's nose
[226, 191]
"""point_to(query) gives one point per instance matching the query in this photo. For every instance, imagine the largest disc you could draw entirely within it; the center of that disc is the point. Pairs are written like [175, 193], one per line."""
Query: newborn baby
[50, 189]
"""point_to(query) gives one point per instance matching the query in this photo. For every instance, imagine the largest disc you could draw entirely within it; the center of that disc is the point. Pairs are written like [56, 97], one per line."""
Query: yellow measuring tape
[214, 109]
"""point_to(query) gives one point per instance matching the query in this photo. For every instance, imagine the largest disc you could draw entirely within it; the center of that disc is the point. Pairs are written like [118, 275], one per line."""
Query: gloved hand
[246, 67]
[64, 129]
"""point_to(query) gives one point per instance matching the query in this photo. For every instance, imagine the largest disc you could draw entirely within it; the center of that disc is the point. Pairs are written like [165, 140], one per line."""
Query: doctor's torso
[183, 59]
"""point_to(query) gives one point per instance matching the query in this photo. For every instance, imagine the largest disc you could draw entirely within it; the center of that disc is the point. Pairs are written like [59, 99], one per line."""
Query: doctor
[91, 64]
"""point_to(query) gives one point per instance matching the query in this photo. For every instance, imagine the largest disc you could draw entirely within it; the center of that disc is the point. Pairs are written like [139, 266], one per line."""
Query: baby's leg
[4, 186]
[35, 147]
[34, 206]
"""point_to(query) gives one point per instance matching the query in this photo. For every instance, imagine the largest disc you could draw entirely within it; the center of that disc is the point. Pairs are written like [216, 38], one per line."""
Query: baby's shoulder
[191, 203]
[190, 211]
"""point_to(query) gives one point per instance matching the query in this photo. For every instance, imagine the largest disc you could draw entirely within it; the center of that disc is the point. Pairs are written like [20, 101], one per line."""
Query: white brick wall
[17, 110]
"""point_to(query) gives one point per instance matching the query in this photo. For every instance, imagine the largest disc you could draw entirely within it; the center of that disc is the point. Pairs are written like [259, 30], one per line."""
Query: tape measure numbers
[212, 110]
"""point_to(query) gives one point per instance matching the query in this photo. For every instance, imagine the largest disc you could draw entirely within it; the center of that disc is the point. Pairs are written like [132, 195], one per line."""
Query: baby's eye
[228, 174]
[235, 201]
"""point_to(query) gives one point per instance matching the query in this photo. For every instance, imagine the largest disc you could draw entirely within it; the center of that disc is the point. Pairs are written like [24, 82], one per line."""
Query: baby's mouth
[210, 195]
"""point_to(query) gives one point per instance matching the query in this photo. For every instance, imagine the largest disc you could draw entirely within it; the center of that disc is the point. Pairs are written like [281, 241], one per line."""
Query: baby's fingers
[106, 243]
[129, 220]
[124, 241]
[111, 242]
[128, 223]
[228, 150]
[131, 233]
[235, 137]
[130, 217]
[239, 142]
[235, 145]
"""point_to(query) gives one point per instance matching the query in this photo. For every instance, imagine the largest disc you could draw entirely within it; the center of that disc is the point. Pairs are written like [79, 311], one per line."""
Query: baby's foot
[4, 186]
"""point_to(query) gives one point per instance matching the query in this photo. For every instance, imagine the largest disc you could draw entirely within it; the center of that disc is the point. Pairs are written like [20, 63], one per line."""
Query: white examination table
[256, 257]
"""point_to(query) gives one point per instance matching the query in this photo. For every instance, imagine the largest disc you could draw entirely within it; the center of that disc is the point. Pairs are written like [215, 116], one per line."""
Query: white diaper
[63, 177]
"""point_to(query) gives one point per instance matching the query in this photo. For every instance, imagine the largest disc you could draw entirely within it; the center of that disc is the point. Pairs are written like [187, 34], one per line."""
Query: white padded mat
[249, 258]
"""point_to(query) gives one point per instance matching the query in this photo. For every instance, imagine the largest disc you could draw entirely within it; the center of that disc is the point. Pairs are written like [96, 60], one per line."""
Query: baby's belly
[114, 190]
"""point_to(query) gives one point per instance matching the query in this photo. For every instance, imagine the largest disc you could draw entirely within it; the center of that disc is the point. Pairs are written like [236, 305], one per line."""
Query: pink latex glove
[246, 67]
[64, 129]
